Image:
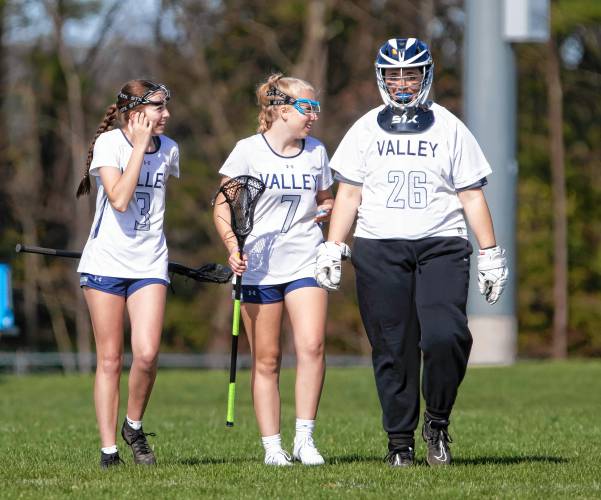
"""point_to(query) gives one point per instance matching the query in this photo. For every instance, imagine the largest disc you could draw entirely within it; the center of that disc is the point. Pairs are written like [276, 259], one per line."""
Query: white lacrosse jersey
[410, 181]
[282, 246]
[130, 244]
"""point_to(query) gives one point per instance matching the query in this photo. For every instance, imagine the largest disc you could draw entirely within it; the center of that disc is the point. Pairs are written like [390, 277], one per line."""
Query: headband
[135, 100]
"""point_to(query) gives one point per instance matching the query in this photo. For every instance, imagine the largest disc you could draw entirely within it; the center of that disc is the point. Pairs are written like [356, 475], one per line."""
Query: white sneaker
[305, 451]
[279, 458]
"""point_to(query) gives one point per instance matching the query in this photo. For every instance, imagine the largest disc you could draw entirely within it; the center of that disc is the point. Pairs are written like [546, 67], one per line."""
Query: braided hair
[118, 112]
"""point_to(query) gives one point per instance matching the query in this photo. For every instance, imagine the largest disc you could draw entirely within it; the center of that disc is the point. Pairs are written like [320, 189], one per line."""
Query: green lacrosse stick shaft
[231, 393]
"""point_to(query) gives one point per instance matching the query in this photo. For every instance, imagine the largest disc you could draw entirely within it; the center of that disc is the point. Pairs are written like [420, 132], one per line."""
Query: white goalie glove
[328, 266]
[492, 273]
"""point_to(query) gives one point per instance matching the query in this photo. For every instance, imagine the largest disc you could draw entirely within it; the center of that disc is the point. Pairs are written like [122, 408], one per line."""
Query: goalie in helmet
[411, 173]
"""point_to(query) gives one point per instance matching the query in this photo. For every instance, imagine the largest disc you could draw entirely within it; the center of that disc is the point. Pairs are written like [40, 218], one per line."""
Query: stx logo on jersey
[407, 147]
[396, 119]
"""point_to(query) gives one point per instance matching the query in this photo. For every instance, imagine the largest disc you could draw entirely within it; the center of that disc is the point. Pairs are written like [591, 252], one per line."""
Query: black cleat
[436, 435]
[108, 460]
[139, 445]
[400, 457]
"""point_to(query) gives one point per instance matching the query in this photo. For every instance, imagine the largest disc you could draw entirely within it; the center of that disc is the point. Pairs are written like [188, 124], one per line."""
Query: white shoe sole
[296, 458]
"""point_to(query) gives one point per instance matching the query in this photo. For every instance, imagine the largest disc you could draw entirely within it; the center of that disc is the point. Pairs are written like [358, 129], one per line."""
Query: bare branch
[89, 59]
[270, 41]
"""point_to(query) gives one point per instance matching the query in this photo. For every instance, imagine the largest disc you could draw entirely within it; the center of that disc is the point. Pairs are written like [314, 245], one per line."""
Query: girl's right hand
[140, 129]
[237, 265]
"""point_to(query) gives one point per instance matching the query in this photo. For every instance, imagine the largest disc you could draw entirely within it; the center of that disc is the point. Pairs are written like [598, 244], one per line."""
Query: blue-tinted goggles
[306, 106]
[303, 106]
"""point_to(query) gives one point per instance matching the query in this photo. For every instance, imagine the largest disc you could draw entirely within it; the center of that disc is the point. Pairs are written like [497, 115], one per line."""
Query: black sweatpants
[412, 297]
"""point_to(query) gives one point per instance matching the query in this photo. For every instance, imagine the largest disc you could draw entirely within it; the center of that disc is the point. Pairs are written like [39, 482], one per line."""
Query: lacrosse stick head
[242, 194]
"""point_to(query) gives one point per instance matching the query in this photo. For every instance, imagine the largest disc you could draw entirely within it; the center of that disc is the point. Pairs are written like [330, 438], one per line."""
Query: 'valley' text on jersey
[130, 244]
[410, 181]
[283, 244]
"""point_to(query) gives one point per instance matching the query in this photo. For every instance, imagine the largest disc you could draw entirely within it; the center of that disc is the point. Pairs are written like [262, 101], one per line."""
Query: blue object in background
[7, 317]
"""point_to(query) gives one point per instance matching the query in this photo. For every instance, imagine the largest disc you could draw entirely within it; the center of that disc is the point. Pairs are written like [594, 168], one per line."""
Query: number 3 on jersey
[416, 193]
[143, 200]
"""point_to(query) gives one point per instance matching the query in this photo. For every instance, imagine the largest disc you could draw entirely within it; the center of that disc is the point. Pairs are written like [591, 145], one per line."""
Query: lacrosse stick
[241, 194]
[209, 273]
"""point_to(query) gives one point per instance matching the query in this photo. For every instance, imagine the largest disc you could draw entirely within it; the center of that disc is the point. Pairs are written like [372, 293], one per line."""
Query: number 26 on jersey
[408, 190]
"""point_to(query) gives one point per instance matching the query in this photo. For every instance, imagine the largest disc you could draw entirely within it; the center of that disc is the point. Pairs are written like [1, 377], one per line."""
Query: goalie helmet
[401, 54]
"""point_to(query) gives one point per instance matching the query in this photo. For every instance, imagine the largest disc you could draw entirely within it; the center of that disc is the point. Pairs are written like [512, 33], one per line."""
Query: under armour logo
[396, 119]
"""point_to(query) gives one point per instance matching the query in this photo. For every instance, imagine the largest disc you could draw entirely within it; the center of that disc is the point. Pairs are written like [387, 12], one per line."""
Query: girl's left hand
[323, 213]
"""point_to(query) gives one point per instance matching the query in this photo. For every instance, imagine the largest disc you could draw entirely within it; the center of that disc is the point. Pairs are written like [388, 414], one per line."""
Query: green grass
[527, 431]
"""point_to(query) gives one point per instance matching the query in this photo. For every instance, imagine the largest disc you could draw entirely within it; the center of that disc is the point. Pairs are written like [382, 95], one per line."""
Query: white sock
[304, 428]
[109, 450]
[272, 443]
[134, 424]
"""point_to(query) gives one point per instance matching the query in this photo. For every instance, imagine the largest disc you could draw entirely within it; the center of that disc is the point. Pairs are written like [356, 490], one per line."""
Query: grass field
[527, 431]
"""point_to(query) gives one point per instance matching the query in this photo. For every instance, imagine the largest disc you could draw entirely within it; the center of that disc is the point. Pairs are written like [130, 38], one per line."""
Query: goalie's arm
[478, 216]
[346, 204]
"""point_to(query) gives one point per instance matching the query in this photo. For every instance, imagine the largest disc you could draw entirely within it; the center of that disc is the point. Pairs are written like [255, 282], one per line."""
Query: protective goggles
[135, 100]
[303, 106]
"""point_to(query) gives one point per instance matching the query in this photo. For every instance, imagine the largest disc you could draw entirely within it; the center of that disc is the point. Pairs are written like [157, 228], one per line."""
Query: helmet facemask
[400, 58]
[402, 89]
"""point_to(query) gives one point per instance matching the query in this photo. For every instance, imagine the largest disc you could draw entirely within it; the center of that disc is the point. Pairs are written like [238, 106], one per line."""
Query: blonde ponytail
[268, 111]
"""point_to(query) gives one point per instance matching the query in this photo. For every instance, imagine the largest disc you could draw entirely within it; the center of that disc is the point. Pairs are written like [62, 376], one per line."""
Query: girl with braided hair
[124, 262]
[279, 256]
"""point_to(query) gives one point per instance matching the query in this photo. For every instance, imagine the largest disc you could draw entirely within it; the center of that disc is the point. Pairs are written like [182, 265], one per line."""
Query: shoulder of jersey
[112, 134]
[111, 138]
[251, 141]
[313, 143]
[369, 120]
[371, 115]
[168, 142]
[442, 113]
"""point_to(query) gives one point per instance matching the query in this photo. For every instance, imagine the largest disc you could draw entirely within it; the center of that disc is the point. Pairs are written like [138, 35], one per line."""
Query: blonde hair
[112, 115]
[286, 84]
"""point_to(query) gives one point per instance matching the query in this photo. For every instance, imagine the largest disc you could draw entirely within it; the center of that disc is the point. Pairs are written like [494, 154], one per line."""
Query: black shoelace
[113, 459]
[141, 444]
[436, 435]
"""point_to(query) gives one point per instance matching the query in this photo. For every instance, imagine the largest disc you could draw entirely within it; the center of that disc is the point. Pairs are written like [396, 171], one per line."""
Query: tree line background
[212, 54]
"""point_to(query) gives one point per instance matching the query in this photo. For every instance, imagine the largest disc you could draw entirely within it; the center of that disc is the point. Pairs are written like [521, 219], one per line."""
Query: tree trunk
[77, 147]
[24, 190]
[559, 348]
[313, 57]
[57, 318]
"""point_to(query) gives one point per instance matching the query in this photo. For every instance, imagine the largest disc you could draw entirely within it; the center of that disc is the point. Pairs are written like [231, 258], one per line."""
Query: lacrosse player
[411, 173]
[124, 262]
[279, 257]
